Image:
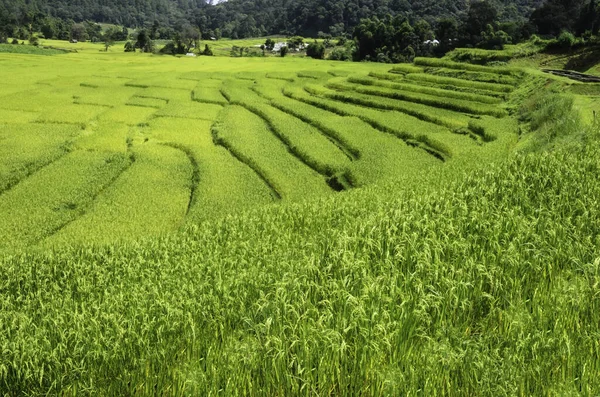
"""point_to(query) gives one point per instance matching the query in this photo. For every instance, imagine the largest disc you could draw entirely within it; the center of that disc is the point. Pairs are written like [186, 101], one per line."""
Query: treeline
[381, 30]
[396, 39]
[245, 18]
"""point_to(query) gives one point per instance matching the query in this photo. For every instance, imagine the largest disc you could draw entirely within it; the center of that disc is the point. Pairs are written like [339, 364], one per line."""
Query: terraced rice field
[103, 147]
[341, 229]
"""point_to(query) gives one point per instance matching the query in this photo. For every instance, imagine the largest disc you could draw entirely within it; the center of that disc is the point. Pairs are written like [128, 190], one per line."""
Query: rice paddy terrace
[338, 229]
[104, 147]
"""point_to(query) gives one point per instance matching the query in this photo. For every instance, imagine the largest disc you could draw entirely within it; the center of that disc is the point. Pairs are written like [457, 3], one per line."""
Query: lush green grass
[320, 132]
[424, 90]
[493, 293]
[28, 49]
[173, 226]
[510, 52]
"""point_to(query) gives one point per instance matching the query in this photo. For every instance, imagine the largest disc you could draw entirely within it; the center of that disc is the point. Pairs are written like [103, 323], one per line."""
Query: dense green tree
[557, 15]
[245, 18]
[78, 32]
[48, 30]
[294, 43]
[446, 33]
[316, 50]
[143, 41]
[270, 44]
[207, 51]
[480, 15]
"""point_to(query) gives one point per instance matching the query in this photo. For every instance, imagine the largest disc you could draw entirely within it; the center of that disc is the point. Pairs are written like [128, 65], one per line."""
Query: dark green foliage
[129, 47]
[283, 51]
[79, 32]
[480, 15]
[28, 49]
[390, 40]
[34, 41]
[487, 286]
[144, 42]
[239, 18]
[270, 44]
[207, 51]
[295, 42]
[316, 50]
[340, 54]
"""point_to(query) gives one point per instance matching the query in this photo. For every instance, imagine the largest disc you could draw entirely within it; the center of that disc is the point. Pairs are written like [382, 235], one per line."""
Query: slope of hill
[256, 17]
[474, 276]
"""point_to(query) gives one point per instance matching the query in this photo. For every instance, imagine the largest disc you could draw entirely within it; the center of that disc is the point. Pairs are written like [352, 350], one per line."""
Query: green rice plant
[403, 126]
[307, 143]
[162, 81]
[477, 276]
[208, 91]
[510, 52]
[443, 63]
[285, 76]
[273, 92]
[376, 155]
[386, 76]
[242, 305]
[249, 76]
[338, 73]
[419, 111]
[17, 116]
[440, 92]
[167, 94]
[13, 88]
[104, 137]
[480, 130]
[313, 74]
[485, 77]
[102, 96]
[29, 50]
[150, 196]
[36, 100]
[56, 195]
[447, 87]
[224, 184]
[249, 138]
[456, 105]
[129, 115]
[71, 114]
[147, 102]
[190, 110]
[27, 148]
[438, 80]
[406, 69]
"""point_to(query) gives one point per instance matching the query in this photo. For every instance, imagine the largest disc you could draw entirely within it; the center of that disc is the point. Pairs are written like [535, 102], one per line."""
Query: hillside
[285, 226]
[252, 18]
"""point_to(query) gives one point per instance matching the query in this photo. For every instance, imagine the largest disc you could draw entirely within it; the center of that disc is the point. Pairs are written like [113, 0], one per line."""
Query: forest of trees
[384, 30]
[248, 18]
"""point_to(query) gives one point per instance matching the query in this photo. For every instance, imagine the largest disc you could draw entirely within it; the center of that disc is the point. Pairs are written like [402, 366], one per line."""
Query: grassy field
[285, 226]
[236, 134]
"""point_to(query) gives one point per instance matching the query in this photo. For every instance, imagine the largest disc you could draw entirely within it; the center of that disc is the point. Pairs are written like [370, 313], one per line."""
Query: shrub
[340, 54]
[169, 49]
[316, 50]
[566, 40]
[283, 51]
[14, 41]
[207, 51]
[34, 40]
[129, 47]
